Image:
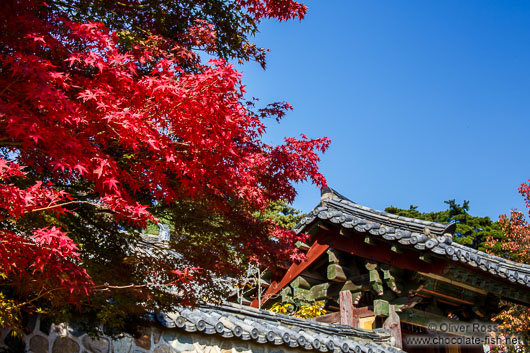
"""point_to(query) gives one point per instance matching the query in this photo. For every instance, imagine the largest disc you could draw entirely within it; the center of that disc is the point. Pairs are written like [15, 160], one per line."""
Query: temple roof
[261, 326]
[425, 236]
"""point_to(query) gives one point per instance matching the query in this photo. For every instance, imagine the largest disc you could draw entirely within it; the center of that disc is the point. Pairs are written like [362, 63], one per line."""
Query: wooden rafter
[317, 248]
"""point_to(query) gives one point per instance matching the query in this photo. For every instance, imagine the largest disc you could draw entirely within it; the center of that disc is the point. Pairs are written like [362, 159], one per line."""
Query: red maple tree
[515, 320]
[102, 131]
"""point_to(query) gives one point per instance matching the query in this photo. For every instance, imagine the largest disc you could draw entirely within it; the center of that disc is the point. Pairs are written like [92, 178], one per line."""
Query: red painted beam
[354, 245]
[409, 259]
[314, 252]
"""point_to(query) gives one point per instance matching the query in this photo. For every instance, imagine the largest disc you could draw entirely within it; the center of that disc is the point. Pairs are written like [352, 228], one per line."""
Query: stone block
[211, 349]
[182, 343]
[162, 349]
[96, 345]
[144, 338]
[202, 340]
[241, 347]
[226, 345]
[199, 348]
[257, 349]
[38, 344]
[156, 335]
[122, 344]
[215, 345]
[65, 345]
[169, 336]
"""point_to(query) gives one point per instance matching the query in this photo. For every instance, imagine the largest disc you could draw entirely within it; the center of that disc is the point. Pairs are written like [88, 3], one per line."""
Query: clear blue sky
[424, 101]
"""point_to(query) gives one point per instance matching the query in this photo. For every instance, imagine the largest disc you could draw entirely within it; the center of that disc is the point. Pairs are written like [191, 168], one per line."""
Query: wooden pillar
[346, 309]
[393, 324]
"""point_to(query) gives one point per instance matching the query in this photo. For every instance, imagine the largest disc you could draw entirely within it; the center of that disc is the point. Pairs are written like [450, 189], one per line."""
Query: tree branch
[64, 204]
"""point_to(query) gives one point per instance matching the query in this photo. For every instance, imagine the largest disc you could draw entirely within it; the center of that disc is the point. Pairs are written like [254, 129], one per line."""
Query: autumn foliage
[104, 130]
[40, 264]
[516, 246]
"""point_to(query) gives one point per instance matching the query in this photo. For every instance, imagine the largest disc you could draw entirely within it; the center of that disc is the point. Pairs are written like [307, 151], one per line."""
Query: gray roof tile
[264, 326]
[422, 235]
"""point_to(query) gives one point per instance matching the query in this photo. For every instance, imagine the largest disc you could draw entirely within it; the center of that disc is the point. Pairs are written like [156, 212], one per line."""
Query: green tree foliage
[471, 231]
[281, 213]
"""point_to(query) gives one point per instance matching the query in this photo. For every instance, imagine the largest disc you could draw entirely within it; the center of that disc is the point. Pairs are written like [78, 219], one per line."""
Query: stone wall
[65, 339]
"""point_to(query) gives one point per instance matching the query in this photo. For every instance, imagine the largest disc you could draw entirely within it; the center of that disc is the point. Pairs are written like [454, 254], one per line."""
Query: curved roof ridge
[414, 233]
[373, 211]
[332, 196]
[492, 257]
